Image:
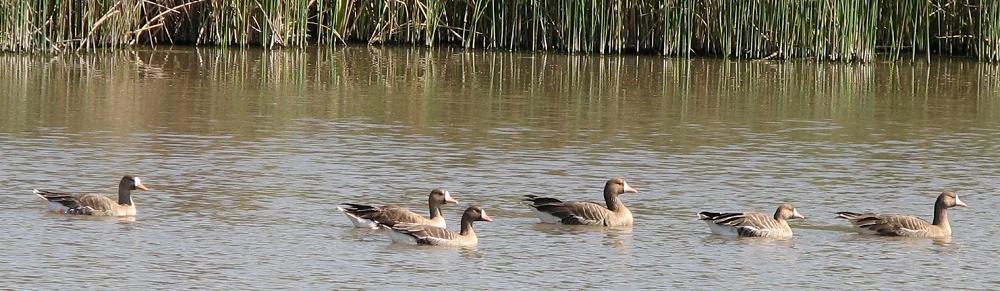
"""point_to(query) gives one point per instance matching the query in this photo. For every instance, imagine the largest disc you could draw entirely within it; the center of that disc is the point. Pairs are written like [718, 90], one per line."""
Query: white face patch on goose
[448, 199]
[958, 202]
[627, 189]
[137, 182]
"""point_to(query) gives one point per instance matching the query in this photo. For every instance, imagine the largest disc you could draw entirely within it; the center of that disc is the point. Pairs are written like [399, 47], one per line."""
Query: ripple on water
[245, 211]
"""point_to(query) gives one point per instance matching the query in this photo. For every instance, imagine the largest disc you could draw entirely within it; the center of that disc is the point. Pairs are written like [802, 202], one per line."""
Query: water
[248, 152]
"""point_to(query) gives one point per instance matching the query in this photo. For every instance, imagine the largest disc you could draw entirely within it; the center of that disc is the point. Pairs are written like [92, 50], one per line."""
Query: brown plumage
[94, 204]
[368, 216]
[752, 224]
[907, 225]
[432, 235]
[551, 210]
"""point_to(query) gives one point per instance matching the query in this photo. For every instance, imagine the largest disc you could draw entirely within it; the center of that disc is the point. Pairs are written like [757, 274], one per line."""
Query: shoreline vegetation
[825, 30]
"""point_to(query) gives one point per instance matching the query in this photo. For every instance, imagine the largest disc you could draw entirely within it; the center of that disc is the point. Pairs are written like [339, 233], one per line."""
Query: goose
[907, 225]
[367, 216]
[551, 210]
[95, 204]
[409, 233]
[752, 224]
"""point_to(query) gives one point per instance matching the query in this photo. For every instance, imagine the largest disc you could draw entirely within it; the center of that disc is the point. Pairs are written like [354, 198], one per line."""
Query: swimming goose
[907, 225]
[409, 233]
[95, 204]
[752, 224]
[551, 210]
[368, 216]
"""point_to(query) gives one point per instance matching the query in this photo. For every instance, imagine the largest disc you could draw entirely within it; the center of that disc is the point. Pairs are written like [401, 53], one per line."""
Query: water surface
[248, 152]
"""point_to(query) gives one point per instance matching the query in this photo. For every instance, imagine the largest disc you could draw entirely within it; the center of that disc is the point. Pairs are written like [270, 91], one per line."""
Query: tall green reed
[988, 46]
[822, 29]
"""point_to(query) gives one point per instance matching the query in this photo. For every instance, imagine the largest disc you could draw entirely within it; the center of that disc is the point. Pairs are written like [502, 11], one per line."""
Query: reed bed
[833, 30]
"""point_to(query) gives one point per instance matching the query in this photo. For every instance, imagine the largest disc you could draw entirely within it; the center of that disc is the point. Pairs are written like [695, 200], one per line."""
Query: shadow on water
[617, 237]
[248, 93]
[559, 229]
[362, 234]
[895, 240]
[722, 239]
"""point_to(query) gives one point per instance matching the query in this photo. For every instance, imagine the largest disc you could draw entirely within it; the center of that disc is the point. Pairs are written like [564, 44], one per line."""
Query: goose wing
[584, 213]
[65, 199]
[426, 234]
[745, 223]
[887, 224]
[387, 215]
[78, 203]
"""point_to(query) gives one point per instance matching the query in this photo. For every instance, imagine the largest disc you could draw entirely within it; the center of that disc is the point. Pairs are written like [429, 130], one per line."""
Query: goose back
[904, 224]
[94, 204]
[408, 233]
[752, 224]
[613, 213]
[368, 216]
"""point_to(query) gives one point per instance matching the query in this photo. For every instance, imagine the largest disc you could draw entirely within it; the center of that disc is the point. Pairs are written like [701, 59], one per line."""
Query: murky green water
[248, 152]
